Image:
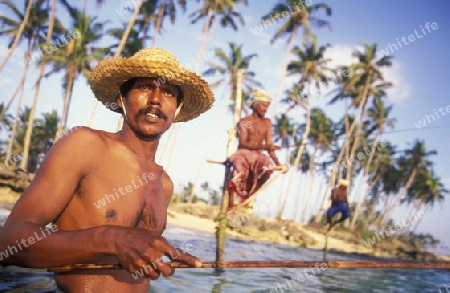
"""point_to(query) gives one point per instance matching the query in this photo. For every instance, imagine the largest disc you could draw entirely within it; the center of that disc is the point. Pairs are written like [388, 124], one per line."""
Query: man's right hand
[143, 250]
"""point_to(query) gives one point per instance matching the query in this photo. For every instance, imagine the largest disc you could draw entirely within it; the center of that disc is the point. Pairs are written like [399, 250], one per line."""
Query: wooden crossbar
[276, 264]
[270, 168]
[215, 162]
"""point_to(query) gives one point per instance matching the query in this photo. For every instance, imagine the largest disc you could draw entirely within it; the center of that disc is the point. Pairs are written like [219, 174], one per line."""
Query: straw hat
[110, 74]
[343, 182]
[259, 96]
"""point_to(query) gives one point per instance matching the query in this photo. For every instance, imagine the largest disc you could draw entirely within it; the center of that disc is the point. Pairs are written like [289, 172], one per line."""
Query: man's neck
[144, 147]
[257, 116]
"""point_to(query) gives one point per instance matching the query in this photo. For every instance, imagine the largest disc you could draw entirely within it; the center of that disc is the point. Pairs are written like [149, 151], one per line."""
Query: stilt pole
[222, 219]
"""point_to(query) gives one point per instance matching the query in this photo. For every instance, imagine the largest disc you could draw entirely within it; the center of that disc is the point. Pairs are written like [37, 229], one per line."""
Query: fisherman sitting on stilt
[339, 203]
[251, 167]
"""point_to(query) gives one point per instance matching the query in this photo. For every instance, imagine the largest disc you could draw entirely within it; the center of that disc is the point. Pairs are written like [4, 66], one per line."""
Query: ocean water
[14, 279]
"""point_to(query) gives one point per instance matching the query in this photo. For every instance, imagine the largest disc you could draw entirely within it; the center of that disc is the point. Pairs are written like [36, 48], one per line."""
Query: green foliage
[420, 240]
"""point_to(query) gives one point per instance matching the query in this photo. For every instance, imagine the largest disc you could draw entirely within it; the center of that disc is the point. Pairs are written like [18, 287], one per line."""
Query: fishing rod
[273, 264]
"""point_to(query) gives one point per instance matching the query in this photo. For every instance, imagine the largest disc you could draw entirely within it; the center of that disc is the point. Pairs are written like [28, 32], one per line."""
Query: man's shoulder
[267, 120]
[245, 119]
[84, 136]
[250, 119]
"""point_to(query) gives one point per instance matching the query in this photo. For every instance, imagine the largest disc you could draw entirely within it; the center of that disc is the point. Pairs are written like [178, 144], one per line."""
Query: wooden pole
[276, 264]
[222, 218]
[325, 248]
[250, 198]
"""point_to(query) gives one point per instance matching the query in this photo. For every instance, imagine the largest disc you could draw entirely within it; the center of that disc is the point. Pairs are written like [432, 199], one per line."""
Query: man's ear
[119, 101]
[177, 111]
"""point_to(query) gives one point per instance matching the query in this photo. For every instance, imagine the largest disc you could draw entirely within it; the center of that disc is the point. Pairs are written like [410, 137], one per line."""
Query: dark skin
[255, 133]
[81, 169]
[338, 195]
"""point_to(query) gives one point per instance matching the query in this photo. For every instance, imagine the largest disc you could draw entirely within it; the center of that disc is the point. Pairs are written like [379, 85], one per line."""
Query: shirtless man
[87, 166]
[339, 203]
[255, 136]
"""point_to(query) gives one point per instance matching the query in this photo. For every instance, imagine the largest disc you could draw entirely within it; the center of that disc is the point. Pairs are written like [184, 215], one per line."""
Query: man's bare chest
[129, 197]
[257, 129]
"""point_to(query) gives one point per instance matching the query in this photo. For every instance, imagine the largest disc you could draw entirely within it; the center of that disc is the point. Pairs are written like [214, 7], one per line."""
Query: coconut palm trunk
[311, 183]
[206, 32]
[158, 22]
[284, 72]
[19, 34]
[391, 207]
[27, 138]
[283, 199]
[335, 167]
[119, 50]
[14, 95]
[359, 118]
[359, 200]
[67, 99]
[14, 126]
[305, 135]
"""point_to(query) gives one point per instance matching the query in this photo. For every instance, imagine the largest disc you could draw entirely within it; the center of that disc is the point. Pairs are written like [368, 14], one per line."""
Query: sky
[419, 74]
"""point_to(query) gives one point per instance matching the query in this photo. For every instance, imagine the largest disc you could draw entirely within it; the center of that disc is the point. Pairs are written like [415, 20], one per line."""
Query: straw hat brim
[110, 74]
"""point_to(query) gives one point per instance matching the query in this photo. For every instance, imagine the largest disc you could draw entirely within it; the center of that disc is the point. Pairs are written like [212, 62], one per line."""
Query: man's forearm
[274, 158]
[36, 247]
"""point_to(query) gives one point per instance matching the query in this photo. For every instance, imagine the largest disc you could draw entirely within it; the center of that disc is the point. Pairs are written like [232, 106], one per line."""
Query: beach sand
[336, 242]
[316, 237]
[176, 219]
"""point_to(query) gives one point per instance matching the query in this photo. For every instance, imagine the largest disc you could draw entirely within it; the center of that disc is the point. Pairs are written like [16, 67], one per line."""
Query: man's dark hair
[126, 87]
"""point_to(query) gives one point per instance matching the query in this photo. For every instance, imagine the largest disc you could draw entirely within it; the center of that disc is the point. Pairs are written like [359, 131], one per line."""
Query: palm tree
[233, 64]
[414, 161]
[379, 115]
[330, 144]
[6, 122]
[165, 8]
[120, 47]
[214, 197]
[27, 138]
[20, 26]
[311, 66]
[321, 138]
[134, 43]
[12, 138]
[33, 32]
[303, 17]
[228, 67]
[213, 11]
[145, 18]
[30, 30]
[76, 58]
[44, 130]
[322, 131]
[366, 80]
[187, 191]
[283, 129]
[382, 178]
[303, 167]
[426, 191]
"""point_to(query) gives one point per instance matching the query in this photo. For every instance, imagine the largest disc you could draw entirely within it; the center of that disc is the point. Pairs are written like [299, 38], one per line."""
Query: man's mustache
[152, 110]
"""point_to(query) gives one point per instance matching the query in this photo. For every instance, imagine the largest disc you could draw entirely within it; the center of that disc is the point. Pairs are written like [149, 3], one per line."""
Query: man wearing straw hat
[339, 203]
[103, 191]
[249, 162]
